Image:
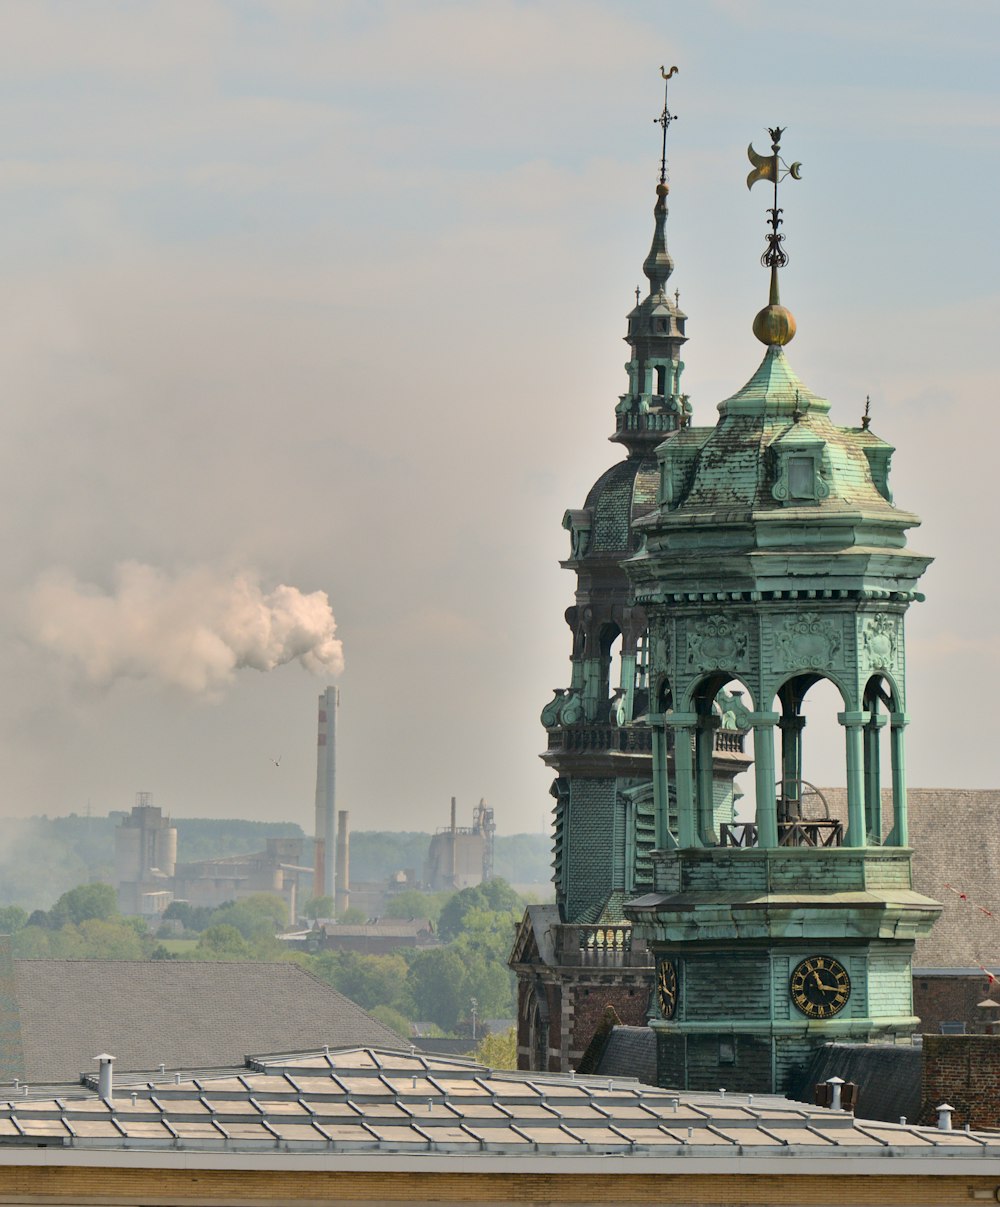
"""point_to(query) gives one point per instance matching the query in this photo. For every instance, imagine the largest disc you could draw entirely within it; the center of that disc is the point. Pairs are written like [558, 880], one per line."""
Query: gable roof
[184, 1014]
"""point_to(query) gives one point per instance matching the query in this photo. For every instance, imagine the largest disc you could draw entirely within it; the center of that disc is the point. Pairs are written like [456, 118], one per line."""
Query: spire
[774, 325]
[654, 404]
[659, 264]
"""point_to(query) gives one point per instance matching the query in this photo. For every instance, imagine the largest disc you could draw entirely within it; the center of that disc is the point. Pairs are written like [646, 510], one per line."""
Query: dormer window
[801, 478]
[800, 471]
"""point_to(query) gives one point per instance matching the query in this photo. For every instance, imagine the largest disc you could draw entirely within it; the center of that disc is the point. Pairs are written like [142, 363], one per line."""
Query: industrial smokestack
[105, 1088]
[343, 863]
[326, 793]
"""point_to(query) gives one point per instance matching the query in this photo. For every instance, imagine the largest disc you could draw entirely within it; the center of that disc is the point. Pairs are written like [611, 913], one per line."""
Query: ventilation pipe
[944, 1116]
[835, 1084]
[105, 1088]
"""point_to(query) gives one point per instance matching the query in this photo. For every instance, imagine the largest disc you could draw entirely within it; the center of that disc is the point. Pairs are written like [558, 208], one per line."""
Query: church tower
[577, 957]
[774, 558]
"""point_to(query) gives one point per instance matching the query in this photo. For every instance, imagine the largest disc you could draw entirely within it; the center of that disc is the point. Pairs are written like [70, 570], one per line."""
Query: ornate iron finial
[774, 324]
[772, 167]
[638, 293]
[677, 298]
[664, 120]
[866, 418]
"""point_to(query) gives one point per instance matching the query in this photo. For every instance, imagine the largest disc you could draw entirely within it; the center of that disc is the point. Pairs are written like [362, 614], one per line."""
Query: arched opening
[704, 807]
[609, 640]
[806, 767]
[661, 379]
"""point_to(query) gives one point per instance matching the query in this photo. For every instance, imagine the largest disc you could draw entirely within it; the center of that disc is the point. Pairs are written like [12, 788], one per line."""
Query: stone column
[900, 836]
[791, 726]
[853, 723]
[661, 779]
[873, 773]
[705, 759]
[683, 725]
[763, 755]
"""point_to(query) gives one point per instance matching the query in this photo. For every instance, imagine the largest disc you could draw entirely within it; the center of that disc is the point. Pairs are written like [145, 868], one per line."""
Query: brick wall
[267, 1187]
[954, 998]
[630, 1002]
[963, 1070]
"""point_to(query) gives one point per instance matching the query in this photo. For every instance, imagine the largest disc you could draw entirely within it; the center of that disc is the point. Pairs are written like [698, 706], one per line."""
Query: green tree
[255, 917]
[222, 942]
[436, 981]
[498, 1051]
[368, 980]
[96, 939]
[83, 902]
[191, 917]
[319, 907]
[12, 919]
[394, 1020]
[352, 916]
[411, 903]
[493, 895]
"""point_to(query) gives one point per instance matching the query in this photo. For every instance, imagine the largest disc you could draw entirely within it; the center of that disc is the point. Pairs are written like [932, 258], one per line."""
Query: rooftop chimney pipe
[104, 1080]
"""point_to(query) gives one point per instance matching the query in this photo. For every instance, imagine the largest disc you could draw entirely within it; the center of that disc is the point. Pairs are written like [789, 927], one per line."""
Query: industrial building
[461, 856]
[149, 877]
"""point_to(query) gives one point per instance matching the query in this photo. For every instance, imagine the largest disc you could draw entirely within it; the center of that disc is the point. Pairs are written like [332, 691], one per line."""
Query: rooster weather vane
[664, 120]
[772, 167]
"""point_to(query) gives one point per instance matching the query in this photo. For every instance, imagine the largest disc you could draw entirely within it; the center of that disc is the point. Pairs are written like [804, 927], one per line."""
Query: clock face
[666, 988]
[820, 987]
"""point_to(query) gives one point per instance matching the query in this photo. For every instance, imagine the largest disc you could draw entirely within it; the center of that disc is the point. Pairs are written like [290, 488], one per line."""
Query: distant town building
[375, 938]
[461, 856]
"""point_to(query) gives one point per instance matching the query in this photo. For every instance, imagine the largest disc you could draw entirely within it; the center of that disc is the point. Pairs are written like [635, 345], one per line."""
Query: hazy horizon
[312, 330]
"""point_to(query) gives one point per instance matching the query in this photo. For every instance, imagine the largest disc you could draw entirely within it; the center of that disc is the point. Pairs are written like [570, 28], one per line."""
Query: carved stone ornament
[571, 712]
[879, 636]
[808, 640]
[717, 643]
[661, 654]
[550, 713]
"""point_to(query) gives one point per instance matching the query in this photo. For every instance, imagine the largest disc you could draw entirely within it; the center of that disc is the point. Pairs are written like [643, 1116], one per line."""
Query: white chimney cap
[104, 1056]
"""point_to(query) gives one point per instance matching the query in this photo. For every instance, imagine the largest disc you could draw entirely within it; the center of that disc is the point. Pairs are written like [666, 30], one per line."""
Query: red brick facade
[963, 1071]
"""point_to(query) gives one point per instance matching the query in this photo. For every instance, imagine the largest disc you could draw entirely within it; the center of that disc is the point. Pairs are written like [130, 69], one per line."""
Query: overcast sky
[300, 297]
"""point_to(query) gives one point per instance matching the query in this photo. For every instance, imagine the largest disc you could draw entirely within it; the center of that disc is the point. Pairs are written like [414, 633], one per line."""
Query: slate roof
[395, 1104]
[184, 1014]
[955, 836]
[619, 496]
[888, 1077]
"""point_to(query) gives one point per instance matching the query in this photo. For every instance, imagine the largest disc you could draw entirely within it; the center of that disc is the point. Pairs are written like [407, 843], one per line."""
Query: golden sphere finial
[774, 325]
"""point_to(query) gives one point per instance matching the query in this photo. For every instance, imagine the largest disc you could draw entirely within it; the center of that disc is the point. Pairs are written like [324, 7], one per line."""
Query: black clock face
[666, 988]
[820, 987]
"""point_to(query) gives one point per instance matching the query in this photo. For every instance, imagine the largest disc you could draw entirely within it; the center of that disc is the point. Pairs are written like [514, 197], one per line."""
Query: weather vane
[772, 167]
[664, 120]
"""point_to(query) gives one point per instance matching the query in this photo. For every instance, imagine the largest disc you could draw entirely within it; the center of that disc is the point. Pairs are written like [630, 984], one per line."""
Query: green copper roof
[774, 389]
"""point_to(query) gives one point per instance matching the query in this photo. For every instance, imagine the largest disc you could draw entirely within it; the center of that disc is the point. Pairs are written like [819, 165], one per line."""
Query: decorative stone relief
[717, 643]
[808, 640]
[880, 638]
[735, 714]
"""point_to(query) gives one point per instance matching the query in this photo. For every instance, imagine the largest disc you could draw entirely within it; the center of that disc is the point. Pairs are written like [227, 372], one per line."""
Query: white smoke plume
[192, 630]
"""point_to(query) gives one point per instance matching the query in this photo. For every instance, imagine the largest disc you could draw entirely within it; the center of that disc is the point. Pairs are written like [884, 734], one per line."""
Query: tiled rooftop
[377, 1101]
